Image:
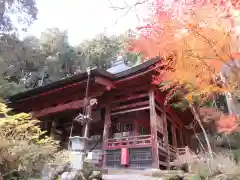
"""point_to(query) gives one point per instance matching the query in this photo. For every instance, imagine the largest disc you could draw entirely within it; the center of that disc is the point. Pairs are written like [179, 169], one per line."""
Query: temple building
[130, 126]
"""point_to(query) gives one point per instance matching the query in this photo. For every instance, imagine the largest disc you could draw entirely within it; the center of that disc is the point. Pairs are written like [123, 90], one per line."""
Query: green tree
[28, 63]
[100, 51]
[53, 41]
[15, 14]
[20, 61]
[61, 56]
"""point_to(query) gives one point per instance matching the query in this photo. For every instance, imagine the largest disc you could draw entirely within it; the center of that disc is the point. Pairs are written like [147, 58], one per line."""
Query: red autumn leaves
[228, 124]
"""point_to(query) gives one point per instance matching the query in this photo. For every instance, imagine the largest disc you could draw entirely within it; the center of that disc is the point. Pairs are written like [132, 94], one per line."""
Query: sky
[84, 19]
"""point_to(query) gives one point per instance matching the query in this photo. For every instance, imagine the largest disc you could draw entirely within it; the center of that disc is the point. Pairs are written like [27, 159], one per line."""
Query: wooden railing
[174, 151]
[161, 144]
[145, 140]
[165, 147]
[183, 151]
[129, 141]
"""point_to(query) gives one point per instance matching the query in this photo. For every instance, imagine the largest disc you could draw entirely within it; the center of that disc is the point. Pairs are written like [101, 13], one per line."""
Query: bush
[222, 167]
[24, 149]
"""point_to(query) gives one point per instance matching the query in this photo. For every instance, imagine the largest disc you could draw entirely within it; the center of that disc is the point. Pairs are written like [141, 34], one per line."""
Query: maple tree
[194, 41]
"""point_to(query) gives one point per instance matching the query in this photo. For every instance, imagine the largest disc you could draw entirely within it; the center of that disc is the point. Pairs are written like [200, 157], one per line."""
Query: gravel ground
[129, 177]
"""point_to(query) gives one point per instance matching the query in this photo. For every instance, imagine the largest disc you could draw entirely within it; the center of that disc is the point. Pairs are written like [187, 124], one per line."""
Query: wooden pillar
[153, 125]
[87, 125]
[53, 129]
[175, 143]
[165, 138]
[107, 124]
[187, 138]
[181, 138]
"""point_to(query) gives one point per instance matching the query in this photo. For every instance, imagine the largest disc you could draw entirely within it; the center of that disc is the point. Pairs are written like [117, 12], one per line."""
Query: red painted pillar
[124, 156]
[153, 125]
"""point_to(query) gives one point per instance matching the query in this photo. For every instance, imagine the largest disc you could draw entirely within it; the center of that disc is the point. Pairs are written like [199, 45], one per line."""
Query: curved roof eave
[82, 76]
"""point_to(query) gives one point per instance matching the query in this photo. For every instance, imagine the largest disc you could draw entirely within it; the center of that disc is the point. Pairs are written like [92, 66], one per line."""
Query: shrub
[24, 149]
[221, 167]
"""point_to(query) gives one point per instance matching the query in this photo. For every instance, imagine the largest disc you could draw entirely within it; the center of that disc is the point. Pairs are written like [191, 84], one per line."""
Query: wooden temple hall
[129, 126]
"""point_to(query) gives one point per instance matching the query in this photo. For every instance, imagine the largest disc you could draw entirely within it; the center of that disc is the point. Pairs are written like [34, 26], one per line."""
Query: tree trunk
[198, 118]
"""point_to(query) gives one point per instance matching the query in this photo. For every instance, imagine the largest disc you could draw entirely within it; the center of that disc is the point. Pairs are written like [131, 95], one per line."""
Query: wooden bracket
[105, 82]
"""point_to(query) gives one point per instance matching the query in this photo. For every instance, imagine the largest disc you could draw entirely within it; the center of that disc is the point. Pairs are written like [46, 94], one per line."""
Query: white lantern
[78, 145]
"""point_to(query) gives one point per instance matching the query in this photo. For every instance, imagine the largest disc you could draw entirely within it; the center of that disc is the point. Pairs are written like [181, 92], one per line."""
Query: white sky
[84, 18]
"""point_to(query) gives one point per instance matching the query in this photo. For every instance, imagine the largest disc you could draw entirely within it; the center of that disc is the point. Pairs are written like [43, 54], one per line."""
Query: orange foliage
[194, 42]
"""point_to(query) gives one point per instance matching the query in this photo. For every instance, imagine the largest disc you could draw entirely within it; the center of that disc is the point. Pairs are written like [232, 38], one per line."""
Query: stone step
[129, 177]
[145, 172]
[137, 176]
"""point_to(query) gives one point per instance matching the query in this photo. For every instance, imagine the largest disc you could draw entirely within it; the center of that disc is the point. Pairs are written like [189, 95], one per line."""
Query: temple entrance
[59, 126]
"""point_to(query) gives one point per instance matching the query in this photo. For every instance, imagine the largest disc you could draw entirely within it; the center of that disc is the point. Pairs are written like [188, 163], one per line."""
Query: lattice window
[138, 156]
[113, 157]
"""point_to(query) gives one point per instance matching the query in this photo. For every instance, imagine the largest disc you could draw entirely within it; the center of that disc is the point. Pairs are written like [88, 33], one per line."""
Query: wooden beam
[131, 90]
[76, 94]
[61, 101]
[52, 91]
[107, 83]
[60, 108]
[158, 108]
[136, 75]
[130, 110]
[172, 114]
[129, 98]
[130, 106]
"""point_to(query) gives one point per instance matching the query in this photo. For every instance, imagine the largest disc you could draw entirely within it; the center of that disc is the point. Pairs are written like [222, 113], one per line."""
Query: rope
[85, 106]
[70, 133]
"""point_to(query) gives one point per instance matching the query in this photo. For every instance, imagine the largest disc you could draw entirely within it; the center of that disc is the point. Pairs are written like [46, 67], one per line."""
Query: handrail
[171, 148]
[130, 137]
[167, 147]
[130, 140]
[146, 139]
[185, 150]
[161, 143]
